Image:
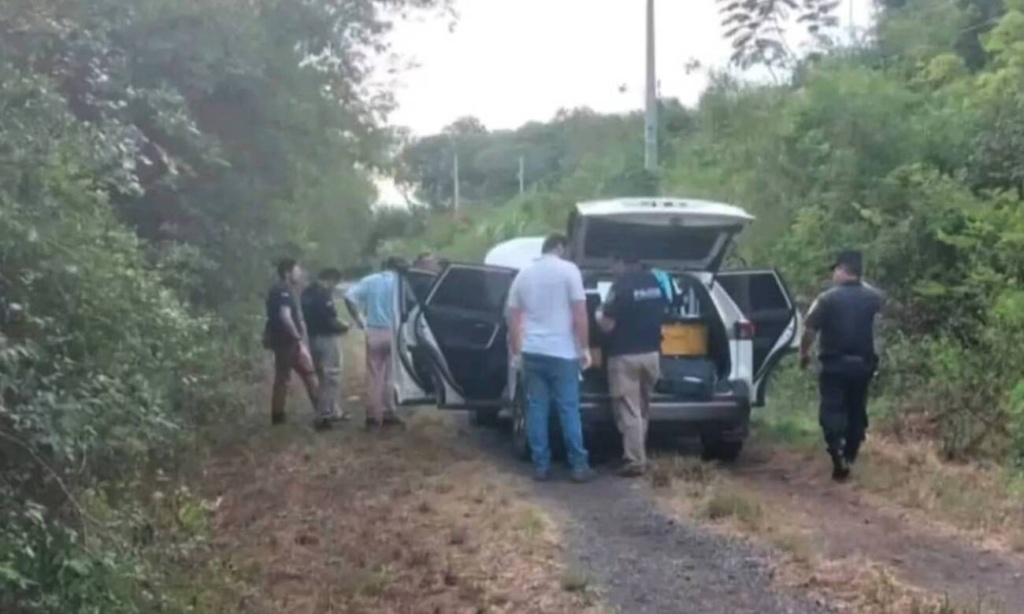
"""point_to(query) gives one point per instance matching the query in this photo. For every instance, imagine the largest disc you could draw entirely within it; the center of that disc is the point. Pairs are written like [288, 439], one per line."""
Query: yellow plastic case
[684, 339]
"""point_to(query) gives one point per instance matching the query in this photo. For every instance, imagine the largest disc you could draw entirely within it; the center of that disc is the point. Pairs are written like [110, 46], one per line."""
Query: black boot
[851, 451]
[840, 467]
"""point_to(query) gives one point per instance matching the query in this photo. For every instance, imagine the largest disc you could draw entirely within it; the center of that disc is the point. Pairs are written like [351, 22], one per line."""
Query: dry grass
[983, 500]
[412, 521]
[700, 491]
[980, 498]
[865, 587]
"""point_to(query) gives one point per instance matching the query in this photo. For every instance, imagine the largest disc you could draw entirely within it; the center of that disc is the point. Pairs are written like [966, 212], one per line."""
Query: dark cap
[851, 260]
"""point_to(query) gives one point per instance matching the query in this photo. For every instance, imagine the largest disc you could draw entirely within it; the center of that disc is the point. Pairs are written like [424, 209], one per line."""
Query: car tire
[716, 449]
[520, 441]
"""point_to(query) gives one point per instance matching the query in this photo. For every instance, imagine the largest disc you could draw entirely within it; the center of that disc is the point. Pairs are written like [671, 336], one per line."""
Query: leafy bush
[103, 380]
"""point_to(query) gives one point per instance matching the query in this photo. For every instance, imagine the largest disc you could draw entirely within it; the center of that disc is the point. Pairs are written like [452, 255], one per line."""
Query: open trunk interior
[690, 369]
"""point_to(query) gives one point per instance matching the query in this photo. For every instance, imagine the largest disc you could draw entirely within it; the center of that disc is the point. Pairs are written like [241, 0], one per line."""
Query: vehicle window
[420, 282]
[755, 291]
[473, 289]
[648, 242]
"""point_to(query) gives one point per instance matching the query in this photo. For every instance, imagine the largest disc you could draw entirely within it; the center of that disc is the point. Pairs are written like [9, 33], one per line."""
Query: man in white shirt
[548, 330]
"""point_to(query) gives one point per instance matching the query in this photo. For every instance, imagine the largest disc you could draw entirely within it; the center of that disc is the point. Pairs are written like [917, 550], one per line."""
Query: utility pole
[522, 175]
[853, 29]
[651, 107]
[455, 179]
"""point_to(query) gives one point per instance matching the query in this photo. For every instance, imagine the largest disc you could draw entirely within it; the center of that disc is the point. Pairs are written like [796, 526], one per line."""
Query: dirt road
[645, 561]
[438, 518]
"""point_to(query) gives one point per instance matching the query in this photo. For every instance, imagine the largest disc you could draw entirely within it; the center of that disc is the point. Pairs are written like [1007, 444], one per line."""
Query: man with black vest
[844, 320]
[632, 316]
[324, 330]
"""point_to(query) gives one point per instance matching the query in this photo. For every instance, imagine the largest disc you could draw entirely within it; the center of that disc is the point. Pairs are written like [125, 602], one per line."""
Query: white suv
[450, 333]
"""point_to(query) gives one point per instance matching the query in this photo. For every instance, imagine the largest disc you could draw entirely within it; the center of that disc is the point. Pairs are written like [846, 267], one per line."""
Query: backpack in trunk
[693, 378]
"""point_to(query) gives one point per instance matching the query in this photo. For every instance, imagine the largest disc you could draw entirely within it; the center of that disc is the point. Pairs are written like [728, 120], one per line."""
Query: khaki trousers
[631, 382]
[380, 379]
[326, 353]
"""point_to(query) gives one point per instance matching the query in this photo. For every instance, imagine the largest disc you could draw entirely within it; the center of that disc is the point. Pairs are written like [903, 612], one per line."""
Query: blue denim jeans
[553, 380]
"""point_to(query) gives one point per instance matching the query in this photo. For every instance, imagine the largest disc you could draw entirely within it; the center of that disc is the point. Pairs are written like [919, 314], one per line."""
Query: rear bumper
[726, 411]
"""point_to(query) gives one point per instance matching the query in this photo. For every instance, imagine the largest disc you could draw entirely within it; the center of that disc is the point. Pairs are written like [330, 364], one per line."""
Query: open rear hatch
[671, 234]
[677, 236]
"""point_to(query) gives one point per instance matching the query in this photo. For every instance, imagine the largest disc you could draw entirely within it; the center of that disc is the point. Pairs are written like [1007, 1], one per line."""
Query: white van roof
[516, 253]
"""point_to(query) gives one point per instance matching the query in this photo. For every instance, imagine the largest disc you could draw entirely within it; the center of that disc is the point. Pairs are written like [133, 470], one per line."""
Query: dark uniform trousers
[844, 383]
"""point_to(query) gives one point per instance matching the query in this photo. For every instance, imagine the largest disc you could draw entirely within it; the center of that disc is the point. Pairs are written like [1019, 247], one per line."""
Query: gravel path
[646, 563]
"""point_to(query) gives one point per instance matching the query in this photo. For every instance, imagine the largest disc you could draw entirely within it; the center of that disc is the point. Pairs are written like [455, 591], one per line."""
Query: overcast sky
[508, 62]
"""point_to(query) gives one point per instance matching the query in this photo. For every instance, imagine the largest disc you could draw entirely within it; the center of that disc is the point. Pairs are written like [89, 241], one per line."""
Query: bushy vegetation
[907, 146]
[155, 157]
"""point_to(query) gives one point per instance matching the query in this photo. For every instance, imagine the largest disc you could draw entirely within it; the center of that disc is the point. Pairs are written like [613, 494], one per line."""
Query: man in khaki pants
[371, 303]
[631, 316]
[325, 331]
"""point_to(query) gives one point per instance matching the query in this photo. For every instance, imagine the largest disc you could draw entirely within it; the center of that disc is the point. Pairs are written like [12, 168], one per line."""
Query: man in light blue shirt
[371, 303]
[548, 328]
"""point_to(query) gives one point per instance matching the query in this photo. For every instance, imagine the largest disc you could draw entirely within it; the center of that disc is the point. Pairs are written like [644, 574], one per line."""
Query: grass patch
[368, 583]
[575, 580]
[723, 504]
[797, 545]
[398, 521]
[707, 491]
[531, 523]
[791, 415]
[983, 498]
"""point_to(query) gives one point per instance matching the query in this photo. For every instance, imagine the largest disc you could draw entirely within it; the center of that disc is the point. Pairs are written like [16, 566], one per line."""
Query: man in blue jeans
[548, 330]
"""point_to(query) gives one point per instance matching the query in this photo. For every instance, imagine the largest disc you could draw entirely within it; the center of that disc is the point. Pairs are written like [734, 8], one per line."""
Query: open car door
[410, 364]
[765, 301]
[459, 330]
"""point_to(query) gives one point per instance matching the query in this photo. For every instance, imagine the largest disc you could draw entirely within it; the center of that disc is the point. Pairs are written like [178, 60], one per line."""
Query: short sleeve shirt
[280, 295]
[545, 293]
[637, 304]
[319, 312]
[845, 319]
[375, 295]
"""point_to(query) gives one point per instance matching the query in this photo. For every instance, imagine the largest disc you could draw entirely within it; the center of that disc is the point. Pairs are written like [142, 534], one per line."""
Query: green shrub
[105, 379]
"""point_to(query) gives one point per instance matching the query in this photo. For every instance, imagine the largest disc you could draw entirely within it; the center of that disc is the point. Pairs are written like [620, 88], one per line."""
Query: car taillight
[745, 330]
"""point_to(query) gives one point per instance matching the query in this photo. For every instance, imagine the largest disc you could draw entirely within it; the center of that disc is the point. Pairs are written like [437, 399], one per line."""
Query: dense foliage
[907, 146]
[155, 157]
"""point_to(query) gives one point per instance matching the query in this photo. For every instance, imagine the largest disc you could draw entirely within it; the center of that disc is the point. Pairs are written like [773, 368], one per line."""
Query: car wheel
[520, 441]
[715, 448]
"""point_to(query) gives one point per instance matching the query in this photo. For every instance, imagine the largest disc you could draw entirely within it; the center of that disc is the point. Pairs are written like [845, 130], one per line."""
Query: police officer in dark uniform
[844, 319]
[285, 335]
[631, 316]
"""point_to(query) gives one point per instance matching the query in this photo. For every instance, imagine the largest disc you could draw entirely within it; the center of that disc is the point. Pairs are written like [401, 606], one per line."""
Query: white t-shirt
[545, 292]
